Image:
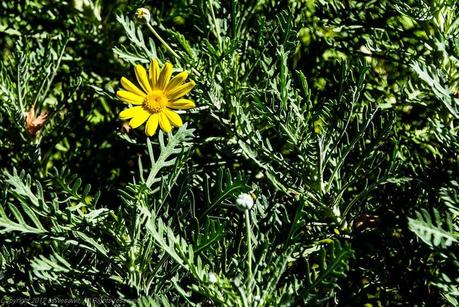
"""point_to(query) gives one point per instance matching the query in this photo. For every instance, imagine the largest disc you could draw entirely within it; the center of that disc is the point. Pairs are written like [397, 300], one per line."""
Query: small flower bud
[143, 15]
[179, 20]
[212, 278]
[244, 201]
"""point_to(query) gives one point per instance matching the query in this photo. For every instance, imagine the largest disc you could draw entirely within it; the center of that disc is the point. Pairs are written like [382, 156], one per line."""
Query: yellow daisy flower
[156, 98]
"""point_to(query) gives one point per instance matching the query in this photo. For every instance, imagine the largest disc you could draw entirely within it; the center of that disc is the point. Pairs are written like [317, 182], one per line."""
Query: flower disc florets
[156, 101]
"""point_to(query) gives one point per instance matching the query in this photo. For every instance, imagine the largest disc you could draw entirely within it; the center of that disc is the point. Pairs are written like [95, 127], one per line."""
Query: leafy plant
[318, 168]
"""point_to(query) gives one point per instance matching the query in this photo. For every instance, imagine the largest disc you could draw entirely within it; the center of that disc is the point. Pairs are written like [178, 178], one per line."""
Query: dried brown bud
[125, 126]
[34, 124]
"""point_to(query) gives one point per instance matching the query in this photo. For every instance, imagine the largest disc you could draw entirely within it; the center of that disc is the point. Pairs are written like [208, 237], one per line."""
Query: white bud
[143, 15]
[212, 278]
[245, 201]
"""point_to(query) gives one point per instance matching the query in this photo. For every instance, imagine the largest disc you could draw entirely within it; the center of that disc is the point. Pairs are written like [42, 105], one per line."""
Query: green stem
[217, 30]
[168, 47]
[249, 245]
[163, 41]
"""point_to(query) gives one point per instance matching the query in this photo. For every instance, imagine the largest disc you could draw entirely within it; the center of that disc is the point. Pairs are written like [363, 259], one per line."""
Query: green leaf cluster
[338, 119]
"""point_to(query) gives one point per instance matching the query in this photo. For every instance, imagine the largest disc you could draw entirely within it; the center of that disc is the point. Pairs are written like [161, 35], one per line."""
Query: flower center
[155, 101]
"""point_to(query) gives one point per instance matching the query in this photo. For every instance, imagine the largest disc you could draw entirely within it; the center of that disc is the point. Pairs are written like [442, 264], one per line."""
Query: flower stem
[162, 41]
[214, 20]
[168, 47]
[249, 245]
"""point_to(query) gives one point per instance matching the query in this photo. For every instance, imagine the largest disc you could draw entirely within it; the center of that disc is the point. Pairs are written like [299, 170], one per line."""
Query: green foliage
[429, 229]
[338, 119]
[440, 233]
[142, 51]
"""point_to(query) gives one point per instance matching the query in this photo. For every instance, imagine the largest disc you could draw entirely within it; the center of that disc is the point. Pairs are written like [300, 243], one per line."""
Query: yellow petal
[131, 112]
[182, 104]
[142, 78]
[164, 76]
[129, 97]
[154, 73]
[152, 124]
[164, 122]
[180, 91]
[173, 117]
[129, 86]
[177, 80]
[139, 119]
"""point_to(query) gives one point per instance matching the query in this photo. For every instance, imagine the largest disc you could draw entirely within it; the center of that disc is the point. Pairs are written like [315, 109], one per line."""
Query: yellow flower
[158, 96]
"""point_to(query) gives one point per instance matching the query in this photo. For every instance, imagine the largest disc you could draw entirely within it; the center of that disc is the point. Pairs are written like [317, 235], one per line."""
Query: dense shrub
[319, 166]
